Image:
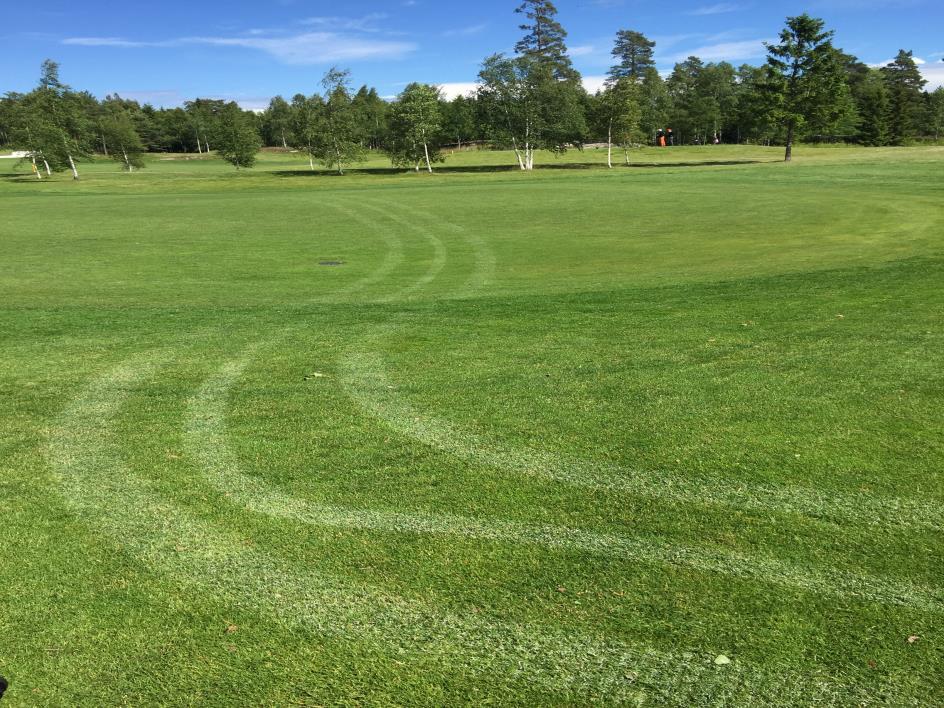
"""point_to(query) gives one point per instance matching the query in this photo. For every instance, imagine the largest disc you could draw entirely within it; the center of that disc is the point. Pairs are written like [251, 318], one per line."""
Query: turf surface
[552, 438]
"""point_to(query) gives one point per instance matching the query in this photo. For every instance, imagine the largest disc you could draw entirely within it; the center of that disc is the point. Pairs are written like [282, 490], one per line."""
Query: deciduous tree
[415, 127]
[237, 139]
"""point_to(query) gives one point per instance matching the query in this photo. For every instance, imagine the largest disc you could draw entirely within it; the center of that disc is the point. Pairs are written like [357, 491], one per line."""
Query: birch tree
[527, 108]
[306, 121]
[118, 130]
[338, 144]
[621, 112]
[415, 127]
[53, 124]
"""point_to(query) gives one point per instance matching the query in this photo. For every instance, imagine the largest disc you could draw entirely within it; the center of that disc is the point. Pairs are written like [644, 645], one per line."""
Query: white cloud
[934, 75]
[465, 31]
[593, 83]
[718, 9]
[299, 49]
[457, 88]
[725, 51]
[582, 50]
[367, 23]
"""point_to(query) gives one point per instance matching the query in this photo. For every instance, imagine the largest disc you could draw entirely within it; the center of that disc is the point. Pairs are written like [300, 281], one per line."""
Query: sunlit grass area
[669, 433]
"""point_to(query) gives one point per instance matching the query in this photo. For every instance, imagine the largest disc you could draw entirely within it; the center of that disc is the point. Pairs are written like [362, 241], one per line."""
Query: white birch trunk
[609, 145]
[206, 144]
[626, 153]
[127, 161]
[284, 141]
[199, 148]
[48, 168]
[426, 152]
[514, 143]
[75, 172]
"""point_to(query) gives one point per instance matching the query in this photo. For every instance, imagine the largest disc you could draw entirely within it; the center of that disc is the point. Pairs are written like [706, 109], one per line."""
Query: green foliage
[803, 71]
[277, 123]
[701, 351]
[459, 120]
[634, 55]
[339, 140]
[525, 106]
[545, 42]
[237, 139]
[415, 127]
[119, 132]
[904, 83]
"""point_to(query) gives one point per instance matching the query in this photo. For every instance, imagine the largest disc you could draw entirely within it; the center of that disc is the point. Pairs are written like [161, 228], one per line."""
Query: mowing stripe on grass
[485, 261]
[392, 260]
[98, 486]
[206, 440]
[440, 257]
[367, 384]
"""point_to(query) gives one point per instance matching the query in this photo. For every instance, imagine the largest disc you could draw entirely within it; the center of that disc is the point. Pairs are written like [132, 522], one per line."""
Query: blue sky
[168, 51]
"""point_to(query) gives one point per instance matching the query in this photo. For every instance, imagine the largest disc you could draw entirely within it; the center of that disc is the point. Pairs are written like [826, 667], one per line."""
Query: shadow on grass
[496, 169]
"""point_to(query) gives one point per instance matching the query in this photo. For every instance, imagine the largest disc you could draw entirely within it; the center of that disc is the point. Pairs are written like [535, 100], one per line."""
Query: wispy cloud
[466, 31]
[298, 49]
[726, 51]
[582, 50]
[367, 23]
[717, 9]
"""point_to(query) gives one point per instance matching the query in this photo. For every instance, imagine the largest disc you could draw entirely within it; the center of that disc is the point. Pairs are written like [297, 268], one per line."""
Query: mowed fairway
[667, 434]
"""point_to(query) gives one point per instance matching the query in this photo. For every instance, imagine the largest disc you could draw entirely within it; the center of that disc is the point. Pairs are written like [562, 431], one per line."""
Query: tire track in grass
[365, 379]
[206, 441]
[98, 486]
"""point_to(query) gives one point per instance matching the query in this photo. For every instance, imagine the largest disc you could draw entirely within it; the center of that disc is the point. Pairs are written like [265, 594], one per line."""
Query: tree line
[808, 90]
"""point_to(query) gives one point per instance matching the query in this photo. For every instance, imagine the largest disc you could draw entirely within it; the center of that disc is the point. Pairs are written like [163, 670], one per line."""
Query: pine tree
[872, 100]
[634, 55]
[545, 41]
[905, 102]
[799, 67]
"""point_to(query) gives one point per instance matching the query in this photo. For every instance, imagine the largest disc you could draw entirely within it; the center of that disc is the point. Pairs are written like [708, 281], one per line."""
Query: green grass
[555, 438]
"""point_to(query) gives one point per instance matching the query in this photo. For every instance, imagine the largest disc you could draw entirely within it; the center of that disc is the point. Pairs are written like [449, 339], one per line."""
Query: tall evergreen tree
[905, 102]
[634, 56]
[799, 67]
[545, 42]
[936, 113]
[871, 96]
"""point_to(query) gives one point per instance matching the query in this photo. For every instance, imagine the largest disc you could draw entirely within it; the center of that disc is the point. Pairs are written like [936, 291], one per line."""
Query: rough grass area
[666, 434]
